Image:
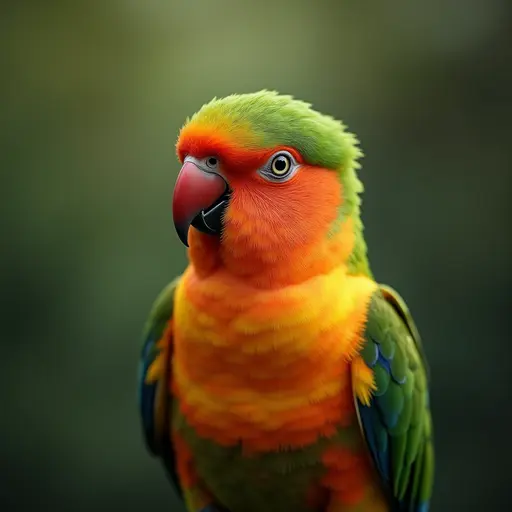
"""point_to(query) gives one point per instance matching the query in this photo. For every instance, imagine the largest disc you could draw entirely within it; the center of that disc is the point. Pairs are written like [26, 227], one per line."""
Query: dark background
[93, 94]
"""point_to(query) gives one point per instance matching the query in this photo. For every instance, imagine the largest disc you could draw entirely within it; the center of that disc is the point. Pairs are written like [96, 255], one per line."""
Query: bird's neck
[274, 269]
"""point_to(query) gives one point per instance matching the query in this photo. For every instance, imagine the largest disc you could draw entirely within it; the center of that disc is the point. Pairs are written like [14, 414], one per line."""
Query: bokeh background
[93, 94]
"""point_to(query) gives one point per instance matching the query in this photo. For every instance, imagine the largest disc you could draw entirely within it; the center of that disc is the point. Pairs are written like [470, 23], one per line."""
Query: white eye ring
[280, 167]
[212, 162]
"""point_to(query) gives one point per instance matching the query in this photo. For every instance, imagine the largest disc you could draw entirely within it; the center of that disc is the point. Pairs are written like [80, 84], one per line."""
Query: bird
[276, 373]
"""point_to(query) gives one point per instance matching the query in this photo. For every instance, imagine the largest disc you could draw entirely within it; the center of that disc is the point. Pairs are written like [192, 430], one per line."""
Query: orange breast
[267, 367]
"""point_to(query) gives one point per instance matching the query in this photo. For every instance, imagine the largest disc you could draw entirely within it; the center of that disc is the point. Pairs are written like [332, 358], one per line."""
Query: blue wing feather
[372, 426]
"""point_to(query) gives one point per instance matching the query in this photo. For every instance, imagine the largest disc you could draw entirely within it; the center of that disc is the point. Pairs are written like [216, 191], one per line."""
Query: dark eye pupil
[280, 164]
[212, 161]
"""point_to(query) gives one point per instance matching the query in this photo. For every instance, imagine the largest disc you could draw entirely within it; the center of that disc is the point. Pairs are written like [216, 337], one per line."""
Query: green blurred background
[93, 95]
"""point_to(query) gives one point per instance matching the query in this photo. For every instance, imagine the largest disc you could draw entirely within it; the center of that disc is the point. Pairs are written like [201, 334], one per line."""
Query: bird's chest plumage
[262, 380]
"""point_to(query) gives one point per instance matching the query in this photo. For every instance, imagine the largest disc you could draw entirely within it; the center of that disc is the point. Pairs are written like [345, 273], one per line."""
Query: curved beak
[200, 199]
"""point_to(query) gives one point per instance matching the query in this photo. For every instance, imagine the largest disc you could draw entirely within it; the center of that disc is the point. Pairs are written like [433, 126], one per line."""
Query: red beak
[200, 199]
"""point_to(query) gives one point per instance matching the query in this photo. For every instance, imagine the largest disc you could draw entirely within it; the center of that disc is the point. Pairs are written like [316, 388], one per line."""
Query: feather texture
[396, 422]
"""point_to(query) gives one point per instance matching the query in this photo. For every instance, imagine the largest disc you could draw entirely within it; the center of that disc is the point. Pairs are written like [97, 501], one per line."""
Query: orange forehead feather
[236, 146]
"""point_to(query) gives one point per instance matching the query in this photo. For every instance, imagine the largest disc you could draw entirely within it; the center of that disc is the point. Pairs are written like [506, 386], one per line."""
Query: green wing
[397, 423]
[154, 397]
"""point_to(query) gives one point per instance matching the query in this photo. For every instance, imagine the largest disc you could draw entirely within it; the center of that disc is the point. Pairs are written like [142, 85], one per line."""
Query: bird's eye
[280, 165]
[212, 162]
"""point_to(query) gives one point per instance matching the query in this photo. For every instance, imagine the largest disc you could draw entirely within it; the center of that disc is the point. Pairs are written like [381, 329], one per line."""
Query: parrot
[276, 373]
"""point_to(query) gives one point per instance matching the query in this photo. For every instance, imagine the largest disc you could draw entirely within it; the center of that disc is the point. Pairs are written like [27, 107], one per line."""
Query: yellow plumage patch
[251, 361]
[156, 368]
[363, 381]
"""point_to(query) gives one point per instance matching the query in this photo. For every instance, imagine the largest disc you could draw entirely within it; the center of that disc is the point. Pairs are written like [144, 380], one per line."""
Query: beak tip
[183, 234]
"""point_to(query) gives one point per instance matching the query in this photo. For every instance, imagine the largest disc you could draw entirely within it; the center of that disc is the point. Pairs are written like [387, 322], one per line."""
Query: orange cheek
[293, 213]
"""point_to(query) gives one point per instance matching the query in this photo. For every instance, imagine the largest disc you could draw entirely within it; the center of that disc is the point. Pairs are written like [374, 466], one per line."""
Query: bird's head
[268, 190]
